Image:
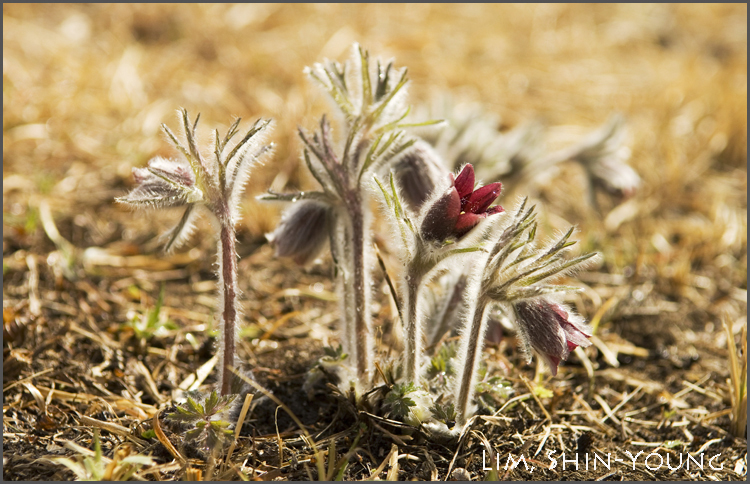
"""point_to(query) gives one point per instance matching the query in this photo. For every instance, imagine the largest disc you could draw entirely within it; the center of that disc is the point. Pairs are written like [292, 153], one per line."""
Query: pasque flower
[217, 183]
[303, 231]
[460, 207]
[370, 95]
[550, 330]
[418, 172]
[515, 273]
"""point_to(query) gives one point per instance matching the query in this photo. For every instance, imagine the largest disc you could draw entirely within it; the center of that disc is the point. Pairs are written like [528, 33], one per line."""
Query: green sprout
[151, 324]
[93, 466]
[208, 431]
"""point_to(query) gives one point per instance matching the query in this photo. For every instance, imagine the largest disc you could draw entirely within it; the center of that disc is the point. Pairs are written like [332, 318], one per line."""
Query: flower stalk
[370, 98]
[217, 184]
[515, 273]
[474, 340]
[437, 234]
[228, 263]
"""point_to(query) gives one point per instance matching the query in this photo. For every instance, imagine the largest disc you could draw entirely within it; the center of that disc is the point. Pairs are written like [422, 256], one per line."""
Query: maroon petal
[575, 335]
[482, 198]
[440, 220]
[552, 362]
[494, 210]
[467, 221]
[465, 181]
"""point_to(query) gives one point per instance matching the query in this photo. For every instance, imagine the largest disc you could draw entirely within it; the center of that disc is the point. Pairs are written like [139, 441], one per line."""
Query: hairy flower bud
[550, 331]
[418, 172]
[163, 183]
[302, 232]
[459, 208]
[440, 220]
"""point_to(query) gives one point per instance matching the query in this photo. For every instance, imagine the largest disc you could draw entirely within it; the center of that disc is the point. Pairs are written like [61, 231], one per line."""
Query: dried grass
[85, 88]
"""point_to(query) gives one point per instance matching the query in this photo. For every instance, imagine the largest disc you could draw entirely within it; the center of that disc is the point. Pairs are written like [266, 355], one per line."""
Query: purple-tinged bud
[303, 231]
[460, 208]
[177, 172]
[550, 331]
[440, 221]
[164, 183]
[418, 172]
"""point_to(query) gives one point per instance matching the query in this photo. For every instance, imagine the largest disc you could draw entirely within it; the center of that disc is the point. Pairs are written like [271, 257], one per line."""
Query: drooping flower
[551, 331]
[418, 172]
[460, 207]
[303, 231]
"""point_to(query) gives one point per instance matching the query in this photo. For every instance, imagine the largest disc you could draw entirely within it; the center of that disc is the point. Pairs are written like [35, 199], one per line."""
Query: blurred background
[86, 87]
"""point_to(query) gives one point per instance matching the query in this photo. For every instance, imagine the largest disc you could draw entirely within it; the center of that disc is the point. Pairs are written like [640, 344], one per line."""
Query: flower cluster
[448, 229]
[370, 97]
[447, 232]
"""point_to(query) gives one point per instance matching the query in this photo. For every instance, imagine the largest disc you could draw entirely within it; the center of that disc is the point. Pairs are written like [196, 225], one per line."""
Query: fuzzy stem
[413, 344]
[473, 341]
[228, 272]
[359, 286]
[450, 308]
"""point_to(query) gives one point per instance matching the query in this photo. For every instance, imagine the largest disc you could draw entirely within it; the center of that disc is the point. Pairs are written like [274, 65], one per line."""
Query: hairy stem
[228, 274]
[448, 315]
[413, 344]
[472, 343]
[358, 287]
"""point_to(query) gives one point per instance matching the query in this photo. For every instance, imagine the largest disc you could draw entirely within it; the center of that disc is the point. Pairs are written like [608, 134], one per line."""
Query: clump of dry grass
[737, 380]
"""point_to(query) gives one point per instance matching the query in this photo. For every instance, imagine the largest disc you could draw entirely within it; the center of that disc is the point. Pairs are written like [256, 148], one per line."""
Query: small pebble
[460, 474]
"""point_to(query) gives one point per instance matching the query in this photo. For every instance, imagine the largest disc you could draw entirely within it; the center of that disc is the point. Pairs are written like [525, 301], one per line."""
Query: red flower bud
[440, 221]
[550, 331]
[460, 208]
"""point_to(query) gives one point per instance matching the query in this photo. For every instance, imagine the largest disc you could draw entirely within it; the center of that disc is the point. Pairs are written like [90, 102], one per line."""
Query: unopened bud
[418, 172]
[440, 220]
[302, 232]
[550, 330]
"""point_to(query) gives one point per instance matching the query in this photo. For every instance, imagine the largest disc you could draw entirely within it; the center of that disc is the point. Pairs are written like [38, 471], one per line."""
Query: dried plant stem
[737, 381]
[228, 276]
[472, 342]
